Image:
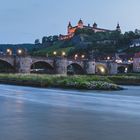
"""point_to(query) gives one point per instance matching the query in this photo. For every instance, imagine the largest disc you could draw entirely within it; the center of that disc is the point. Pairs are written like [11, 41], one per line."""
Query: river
[28, 113]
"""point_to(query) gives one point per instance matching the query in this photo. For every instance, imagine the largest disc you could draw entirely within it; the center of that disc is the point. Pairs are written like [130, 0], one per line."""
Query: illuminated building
[72, 29]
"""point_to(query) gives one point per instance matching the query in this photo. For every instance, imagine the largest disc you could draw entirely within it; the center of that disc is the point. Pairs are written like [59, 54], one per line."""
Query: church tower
[69, 27]
[118, 28]
[95, 25]
[80, 24]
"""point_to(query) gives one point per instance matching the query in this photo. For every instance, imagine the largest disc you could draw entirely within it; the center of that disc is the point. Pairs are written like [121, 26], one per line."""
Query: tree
[47, 41]
[137, 32]
[37, 41]
[55, 38]
[44, 39]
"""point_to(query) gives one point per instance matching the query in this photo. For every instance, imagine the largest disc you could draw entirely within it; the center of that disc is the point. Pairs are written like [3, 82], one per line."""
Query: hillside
[87, 41]
[84, 42]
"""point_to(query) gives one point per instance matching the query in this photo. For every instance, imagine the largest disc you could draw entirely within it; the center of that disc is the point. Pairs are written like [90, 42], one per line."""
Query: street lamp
[19, 51]
[9, 51]
[108, 58]
[83, 56]
[102, 70]
[76, 55]
[54, 53]
[63, 53]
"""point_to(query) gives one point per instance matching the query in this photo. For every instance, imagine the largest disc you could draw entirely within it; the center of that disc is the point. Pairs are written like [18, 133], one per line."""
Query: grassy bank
[76, 82]
[129, 79]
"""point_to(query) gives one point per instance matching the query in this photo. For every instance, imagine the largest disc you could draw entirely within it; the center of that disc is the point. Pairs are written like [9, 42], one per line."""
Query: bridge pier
[89, 66]
[23, 64]
[112, 68]
[60, 66]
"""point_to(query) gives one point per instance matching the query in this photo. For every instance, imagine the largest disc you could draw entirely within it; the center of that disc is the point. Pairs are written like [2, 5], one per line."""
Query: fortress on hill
[71, 29]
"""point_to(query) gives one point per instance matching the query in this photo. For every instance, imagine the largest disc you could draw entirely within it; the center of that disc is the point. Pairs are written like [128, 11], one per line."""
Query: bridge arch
[125, 68]
[41, 67]
[8, 59]
[6, 67]
[121, 69]
[101, 69]
[75, 68]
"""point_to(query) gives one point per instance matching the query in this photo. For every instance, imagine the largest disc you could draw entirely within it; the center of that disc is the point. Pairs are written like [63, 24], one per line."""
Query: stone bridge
[26, 64]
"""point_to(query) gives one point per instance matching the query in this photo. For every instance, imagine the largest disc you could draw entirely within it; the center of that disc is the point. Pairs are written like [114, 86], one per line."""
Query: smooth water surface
[28, 113]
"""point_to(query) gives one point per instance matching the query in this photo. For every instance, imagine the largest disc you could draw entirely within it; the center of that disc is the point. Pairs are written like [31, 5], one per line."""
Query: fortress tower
[80, 24]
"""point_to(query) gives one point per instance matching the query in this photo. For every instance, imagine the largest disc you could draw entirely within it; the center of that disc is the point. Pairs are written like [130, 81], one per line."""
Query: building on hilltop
[72, 29]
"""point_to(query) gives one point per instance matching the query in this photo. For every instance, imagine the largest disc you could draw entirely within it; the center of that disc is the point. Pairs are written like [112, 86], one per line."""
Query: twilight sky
[22, 21]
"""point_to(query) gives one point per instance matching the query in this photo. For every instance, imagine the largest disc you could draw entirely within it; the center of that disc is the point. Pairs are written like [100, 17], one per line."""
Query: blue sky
[22, 21]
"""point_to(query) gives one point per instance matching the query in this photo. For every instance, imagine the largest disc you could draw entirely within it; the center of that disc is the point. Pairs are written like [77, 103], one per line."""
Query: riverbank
[75, 82]
[88, 82]
[126, 79]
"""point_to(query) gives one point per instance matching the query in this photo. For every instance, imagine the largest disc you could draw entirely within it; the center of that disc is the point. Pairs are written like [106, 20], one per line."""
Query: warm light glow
[102, 69]
[130, 61]
[76, 56]
[9, 51]
[126, 70]
[83, 56]
[119, 61]
[54, 53]
[19, 51]
[108, 58]
[63, 53]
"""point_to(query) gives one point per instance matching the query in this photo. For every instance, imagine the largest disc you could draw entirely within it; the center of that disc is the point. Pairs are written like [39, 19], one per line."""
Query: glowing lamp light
[19, 51]
[118, 61]
[9, 51]
[126, 70]
[102, 70]
[83, 56]
[76, 56]
[108, 58]
[130, 61]
[55, 53]
[63, 53]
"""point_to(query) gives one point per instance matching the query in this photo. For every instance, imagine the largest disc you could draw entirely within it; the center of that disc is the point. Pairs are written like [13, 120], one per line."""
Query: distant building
[136, 62]
[72, 29]
[135, 43]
